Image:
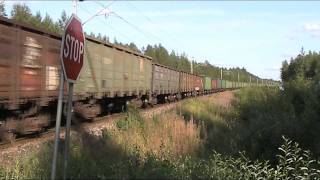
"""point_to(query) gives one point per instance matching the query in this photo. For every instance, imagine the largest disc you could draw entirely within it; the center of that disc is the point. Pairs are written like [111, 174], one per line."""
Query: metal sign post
[67, 136]
[58, 122]
[71, 55]
[72, 52]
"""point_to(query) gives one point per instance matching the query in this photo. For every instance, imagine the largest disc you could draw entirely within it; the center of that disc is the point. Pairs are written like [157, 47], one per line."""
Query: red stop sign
[72, 49]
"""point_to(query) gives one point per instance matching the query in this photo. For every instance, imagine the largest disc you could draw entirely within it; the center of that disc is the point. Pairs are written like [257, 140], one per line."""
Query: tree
[63, 20]
[48, 22]
[2, 9]
[105, 38]
[37, 20]
[21, 12]
[99, 36]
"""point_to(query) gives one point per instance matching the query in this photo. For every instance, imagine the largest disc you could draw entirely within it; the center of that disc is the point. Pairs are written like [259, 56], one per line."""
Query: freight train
[111, 77]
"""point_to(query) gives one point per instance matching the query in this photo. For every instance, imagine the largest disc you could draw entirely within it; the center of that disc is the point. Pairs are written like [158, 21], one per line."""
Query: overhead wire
[144, 33]
[107, 24]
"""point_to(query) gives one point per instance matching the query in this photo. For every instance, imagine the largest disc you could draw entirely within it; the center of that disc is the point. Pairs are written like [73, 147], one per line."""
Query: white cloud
[313, 29]
[312, 26]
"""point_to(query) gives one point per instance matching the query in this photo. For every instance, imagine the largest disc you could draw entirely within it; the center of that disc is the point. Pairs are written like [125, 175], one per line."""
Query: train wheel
[6, 136]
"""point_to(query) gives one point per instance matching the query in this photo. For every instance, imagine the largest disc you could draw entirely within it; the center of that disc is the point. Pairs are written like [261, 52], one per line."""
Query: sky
[256, 35]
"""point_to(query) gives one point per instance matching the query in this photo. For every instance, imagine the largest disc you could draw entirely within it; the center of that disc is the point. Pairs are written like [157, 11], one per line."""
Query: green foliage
[304, 66]
[215, 129]
[111, 163]
[133, 117]
[2, 8]
[21, 12]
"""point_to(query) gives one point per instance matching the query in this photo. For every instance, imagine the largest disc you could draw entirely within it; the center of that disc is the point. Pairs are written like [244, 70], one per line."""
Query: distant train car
[214, 84]
[229, 85]
[165, 83]
[207, 84]
[197, 84]
[185, 84]
[190, 84]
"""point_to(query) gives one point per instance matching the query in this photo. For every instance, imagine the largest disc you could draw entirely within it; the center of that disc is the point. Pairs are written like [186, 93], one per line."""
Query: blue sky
[255, 35]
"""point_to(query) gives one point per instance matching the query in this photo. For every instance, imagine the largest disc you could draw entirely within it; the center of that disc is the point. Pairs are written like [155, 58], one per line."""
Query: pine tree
[36, 20]
[2, 9]
[63, 20]
[21, 12]
[48, 23]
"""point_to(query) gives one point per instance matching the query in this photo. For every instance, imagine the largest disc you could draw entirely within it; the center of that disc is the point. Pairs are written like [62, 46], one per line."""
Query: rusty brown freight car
[190, 84]
[28, 63]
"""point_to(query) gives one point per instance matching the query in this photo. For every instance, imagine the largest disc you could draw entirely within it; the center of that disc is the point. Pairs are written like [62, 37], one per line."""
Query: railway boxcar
[185, 84]
[28, 65]
[223, 84]
[29, 76]
[190, 84]
[214, 84]
[165, 82]
[228, 84]
[110, 71]
[207, 84]
[111, 76]
[197, 83]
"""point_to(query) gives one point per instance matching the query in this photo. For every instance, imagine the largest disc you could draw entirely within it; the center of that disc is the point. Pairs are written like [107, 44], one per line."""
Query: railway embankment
[205, 137]
[22, 148]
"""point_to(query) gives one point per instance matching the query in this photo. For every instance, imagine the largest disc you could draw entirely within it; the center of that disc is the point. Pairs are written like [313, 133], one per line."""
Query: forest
[22, 13]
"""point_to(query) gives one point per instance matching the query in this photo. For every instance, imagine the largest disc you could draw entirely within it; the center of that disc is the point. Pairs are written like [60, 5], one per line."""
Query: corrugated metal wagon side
[165, 83]
[207, 84]
[111, 76]
[198, 84]
[29, 76]
[214, 84]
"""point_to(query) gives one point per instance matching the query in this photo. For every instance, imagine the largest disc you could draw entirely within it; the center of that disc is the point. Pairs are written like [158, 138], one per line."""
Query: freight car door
[8, 58]
[31, 74]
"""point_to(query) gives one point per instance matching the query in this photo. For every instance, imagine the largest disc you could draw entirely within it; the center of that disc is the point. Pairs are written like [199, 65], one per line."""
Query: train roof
[42, 31]
[175, 69]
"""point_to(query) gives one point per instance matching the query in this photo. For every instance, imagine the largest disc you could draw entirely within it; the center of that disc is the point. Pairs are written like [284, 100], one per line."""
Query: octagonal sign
[72, 49]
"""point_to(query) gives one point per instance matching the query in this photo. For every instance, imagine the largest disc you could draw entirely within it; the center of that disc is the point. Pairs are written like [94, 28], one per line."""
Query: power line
[135, 27]
[118, 16]
[106, 24]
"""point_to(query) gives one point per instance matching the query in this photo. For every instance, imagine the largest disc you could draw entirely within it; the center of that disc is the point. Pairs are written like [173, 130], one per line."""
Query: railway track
[78, 123]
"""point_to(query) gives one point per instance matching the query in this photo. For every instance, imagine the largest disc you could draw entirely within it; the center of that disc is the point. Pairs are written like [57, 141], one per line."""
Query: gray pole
[238, 76]
[221, 73]
[67, 136]
[58, 122]
[192, 66]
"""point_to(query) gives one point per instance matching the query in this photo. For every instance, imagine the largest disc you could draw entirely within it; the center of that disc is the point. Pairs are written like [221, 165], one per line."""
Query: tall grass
[213, 122]
[166, 133]
[294, 163]
[132, 148]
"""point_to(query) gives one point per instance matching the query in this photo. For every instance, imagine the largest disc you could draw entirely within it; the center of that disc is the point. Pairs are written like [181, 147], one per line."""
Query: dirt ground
[22, 149]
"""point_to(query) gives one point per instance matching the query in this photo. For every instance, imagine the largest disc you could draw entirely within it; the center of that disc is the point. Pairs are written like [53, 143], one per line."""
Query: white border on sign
[61, 52]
